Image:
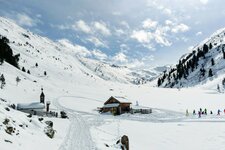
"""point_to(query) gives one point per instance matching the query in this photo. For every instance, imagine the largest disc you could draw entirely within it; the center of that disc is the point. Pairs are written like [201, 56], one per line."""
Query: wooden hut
[116, 105]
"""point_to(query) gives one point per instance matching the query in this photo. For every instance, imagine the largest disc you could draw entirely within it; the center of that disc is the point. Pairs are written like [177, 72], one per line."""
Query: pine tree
[2, 80]
[36, 65]
[23, 69]
[28, 71]
[210, 46]
[17, 80]
[205, 48]
[223, 81]
[6, 53]
[159, 82]
[218, 88]
[212, 61]
[202, 70]
[223, 54]
[210, 73]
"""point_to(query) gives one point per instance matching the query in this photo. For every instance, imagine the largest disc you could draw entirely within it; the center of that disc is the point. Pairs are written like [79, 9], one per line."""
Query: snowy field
[166, 128]
[72, 84]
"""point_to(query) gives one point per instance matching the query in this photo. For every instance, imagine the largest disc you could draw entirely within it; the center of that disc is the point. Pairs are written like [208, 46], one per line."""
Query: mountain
[64, 56]
[61, 69]
[203, 66]
[76, 83]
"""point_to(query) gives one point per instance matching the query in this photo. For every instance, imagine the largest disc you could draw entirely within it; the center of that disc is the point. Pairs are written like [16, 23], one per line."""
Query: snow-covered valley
[79, 85]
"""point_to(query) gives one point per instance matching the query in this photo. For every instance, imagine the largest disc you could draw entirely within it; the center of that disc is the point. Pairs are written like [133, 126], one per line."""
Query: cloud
[91, 28]
[24, 20]
[124, 48]
[102, 28]
[82, 26]
[149, 24]
[148, 38]
[180, 28]
[142, 36]
[160, 37]
[169, 22]
[71, 48]
[167, 11]
[97, 42]
[198, 33]
[116, 13]
[99, 54]
[204, 1]
[119, 32]
[61, 27]
[125, 24]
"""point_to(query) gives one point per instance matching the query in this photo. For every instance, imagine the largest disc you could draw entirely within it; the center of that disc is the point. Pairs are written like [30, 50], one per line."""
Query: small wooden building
[116, 105]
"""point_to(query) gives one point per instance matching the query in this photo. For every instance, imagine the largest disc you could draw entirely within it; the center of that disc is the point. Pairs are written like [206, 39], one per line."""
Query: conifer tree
[23, 69]
[212, 62]
[223, 54]
[223, 81]
[17, 80]
[6, 53]
[205, 48]
[210, 72]
[2, 80]
[159, 82]
[210, 46]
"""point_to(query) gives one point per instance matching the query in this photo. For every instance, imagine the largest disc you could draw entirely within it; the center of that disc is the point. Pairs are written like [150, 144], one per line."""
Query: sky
[139, 34]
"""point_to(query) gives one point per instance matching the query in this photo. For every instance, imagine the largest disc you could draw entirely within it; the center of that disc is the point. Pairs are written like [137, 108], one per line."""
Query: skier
[224, 111]
[218, 113]
[194, 112]
[187, 114]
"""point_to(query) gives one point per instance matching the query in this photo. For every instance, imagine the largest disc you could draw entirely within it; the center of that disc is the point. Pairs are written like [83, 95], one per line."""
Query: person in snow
[194, 112]
[218, 112]
[199, 114]
[211, 112]
[187, 114]
[205, 111]
[224, 111]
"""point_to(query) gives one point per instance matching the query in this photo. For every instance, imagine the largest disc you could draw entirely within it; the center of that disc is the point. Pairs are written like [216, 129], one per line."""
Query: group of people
[203, 112]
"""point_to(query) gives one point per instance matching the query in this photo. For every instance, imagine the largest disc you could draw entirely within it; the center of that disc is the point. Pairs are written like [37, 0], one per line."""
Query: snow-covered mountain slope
[61, 68]
[204, 66]
[20, 131]
[78, 89]
[62, 55]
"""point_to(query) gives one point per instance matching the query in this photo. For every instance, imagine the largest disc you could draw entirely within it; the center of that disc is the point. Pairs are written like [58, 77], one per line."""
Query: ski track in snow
[78, 136]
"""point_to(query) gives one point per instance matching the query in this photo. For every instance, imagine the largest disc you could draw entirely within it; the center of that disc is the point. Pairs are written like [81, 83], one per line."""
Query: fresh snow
[73, 85]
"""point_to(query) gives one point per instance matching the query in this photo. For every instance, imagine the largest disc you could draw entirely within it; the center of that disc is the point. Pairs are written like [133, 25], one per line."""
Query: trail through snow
[90, 130]
[78, 136]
